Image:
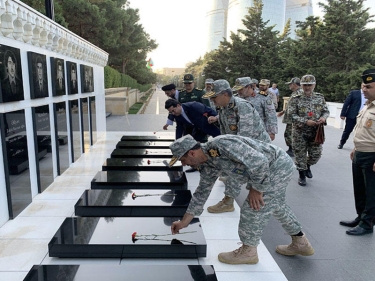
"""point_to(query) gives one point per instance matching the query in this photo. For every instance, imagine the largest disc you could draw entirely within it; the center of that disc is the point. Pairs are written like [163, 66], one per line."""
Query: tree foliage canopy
[112, 26]
[335, 49]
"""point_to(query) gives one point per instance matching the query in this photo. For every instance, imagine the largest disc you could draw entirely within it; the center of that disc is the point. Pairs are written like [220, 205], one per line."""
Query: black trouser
[364, 187]
[349, 126]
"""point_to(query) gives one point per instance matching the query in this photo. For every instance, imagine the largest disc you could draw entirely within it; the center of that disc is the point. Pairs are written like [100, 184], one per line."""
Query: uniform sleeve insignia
[269, 102]
[214, 152]
[369, 123]
[233, 127]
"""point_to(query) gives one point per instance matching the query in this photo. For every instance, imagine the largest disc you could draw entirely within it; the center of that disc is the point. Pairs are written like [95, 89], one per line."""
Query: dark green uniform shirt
[194, 95]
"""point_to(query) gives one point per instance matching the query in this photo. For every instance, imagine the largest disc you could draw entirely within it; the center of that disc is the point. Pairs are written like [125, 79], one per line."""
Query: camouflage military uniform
[266, 111]
[287, 119]
[271, 95]
[265, 167]
[239, 117]
[302, 108]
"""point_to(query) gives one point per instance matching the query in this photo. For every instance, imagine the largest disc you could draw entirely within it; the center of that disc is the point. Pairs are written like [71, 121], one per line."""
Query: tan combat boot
[299, 246]
[243, 255]
[225, 205]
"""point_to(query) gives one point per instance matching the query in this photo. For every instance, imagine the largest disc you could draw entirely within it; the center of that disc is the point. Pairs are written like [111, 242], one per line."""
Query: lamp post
[50, 9]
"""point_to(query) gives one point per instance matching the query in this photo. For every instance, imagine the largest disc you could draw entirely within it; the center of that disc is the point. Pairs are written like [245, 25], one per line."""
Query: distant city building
[226, 16]
[170, 71]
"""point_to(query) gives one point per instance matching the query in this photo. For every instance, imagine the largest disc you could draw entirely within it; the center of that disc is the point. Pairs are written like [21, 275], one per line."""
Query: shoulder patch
[214, 152]
[269, 101]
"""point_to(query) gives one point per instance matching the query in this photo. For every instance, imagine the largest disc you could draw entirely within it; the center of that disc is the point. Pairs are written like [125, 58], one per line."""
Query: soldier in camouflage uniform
[264, 85]
[308, 109]
[236, 117]
[255, 83]
[295, 86]
[265, 168]
[262, 104]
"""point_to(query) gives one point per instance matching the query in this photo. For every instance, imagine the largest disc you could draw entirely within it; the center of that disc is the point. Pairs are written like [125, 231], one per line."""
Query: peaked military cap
[188, 78]
[308, 79]
[168, 87]
[218, 86]
[180, 146]
[368, 76]
[241, 83]
[294, 80]
[264, 82]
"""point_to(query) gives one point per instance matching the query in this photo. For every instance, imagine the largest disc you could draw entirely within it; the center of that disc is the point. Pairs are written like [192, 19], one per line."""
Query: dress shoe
[340, 146]
[352, 223]
[358, 231]
[191, 170]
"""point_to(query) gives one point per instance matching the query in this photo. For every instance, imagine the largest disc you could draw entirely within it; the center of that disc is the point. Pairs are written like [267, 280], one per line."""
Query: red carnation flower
[310, 114]
[205, 114]
[148, 162]
[133, 237]
[133, 197]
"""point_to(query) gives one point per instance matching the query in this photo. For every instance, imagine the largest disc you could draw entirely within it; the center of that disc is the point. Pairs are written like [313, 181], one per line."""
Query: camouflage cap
[308, 79]
[180, 146]
[209, 81]
[218, 86]
[241, 83]
[264, 82]
[254, 81]
[368, 76]
[294, 80]
[188, 78]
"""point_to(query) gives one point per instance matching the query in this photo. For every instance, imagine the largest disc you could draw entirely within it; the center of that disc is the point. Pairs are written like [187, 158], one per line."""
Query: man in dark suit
[73, 79]
[192, 117]
[11, 86]
[353, 104]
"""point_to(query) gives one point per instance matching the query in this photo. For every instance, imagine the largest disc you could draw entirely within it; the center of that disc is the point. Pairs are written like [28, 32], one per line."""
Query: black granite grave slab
[140, 164]
[114, 237]
[139, 180]
[121, 272]
[147, 138]
[141, 153]
[143, 144]
[132, 203]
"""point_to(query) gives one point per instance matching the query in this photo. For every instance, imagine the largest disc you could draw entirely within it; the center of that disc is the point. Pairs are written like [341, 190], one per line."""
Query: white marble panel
[31, 228]
[253, 276]
[22, 254]
[13, 276]
[220, 227]
[49, 208]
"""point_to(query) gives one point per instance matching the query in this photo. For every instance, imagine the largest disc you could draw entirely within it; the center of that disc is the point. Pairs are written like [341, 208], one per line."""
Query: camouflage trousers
[305, 152]
[288, 135]
[252, 222]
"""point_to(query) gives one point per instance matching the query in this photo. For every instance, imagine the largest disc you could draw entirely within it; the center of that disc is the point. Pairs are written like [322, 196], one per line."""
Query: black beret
[368, 76]
[168, 87]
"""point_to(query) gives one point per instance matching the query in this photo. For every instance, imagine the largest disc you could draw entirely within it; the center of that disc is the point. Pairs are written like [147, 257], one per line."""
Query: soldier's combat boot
[243, 255]
[225, 205]
[299, 246]
[308, 172]
[302, 178]
[290, 152]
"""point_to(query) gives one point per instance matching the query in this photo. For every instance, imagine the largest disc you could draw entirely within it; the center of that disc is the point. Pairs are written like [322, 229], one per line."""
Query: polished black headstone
[114, 237]
[121, 272]
[139, 180]
[132, 203]
[140, 164]
[143, 144]
[141, 153]
[147, 138]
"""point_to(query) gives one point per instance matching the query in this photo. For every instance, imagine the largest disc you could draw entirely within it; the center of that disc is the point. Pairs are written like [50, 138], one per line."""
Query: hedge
[115, 79]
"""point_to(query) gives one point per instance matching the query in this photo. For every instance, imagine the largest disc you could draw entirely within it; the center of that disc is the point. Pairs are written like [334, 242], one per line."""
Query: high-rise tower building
[297, 10]
[216, 23]
[227, 16]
